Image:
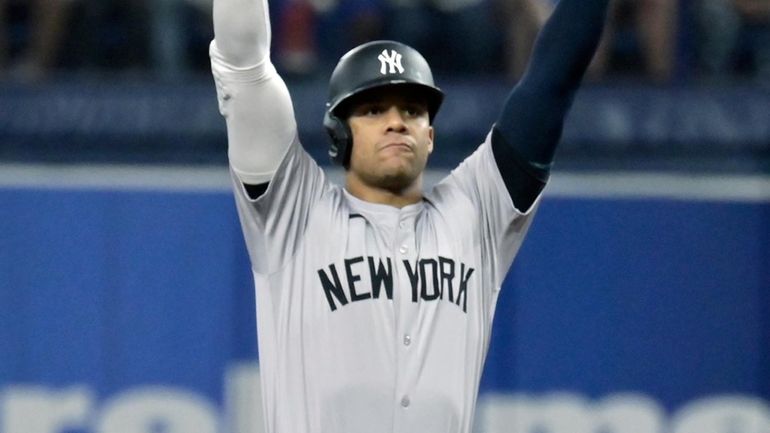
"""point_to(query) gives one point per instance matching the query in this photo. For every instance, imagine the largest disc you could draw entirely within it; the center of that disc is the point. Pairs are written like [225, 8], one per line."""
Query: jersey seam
[329, 189]
[302, 237]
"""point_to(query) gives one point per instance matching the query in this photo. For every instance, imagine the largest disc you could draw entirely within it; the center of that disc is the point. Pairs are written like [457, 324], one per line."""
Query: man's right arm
[252, 96]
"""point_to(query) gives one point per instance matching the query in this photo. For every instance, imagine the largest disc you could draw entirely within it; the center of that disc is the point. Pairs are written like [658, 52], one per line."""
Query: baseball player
[375, 301]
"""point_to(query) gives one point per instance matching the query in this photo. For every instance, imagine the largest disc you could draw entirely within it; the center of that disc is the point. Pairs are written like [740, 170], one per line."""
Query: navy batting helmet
[369, 66]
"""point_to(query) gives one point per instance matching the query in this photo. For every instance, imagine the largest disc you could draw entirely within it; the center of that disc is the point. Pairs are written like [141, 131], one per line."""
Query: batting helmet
[369, 66]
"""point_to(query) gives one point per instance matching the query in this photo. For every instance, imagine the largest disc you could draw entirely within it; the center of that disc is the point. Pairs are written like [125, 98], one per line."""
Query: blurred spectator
[295, 45]
[174, 25]
[154, 36]
[349, 24]
[168, 37]
[734, 35]
[3, 36]
[314, 33]
[653, 25]
[117, 35]
[42, 30]
[112, 35]
[522, 20]
[455, 35]
[45, 32]
[167, 40]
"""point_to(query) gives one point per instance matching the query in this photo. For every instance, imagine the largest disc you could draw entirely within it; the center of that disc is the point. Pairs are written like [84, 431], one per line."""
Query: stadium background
[640, 301]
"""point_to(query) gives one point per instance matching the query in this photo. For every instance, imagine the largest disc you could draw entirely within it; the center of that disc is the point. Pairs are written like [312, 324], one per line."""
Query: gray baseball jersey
[373, 318]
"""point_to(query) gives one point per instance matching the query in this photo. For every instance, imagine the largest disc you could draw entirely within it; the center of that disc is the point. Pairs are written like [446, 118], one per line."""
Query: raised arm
[530, 125]
[242, 31]
[252, 96]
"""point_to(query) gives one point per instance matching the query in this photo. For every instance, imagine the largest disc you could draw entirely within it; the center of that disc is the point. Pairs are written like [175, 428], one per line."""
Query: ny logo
[393, 60]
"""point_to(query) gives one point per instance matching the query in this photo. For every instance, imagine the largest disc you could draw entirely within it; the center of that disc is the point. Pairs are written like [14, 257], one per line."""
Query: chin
[391, 174]
[399, 179]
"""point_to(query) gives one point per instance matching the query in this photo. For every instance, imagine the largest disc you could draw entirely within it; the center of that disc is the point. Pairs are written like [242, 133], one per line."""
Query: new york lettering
[433, 279]
[430, 279]
[380, 277]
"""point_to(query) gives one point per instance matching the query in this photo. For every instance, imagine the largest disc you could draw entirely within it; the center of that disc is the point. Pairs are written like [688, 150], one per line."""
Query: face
[392, 138]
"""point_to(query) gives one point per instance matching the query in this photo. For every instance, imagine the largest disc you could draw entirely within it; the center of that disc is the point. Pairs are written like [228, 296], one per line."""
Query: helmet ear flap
[341, 138]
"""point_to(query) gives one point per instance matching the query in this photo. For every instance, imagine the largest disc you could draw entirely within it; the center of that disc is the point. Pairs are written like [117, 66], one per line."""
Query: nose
[394, 119]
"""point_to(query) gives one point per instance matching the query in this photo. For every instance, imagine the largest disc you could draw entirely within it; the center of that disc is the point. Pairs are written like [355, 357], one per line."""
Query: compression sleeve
[530, 125]
[242, 31]
[252, 96]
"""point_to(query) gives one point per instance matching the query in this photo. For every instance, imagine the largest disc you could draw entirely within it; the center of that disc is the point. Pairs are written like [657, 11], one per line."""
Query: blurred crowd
[660, 41]
[40, 38]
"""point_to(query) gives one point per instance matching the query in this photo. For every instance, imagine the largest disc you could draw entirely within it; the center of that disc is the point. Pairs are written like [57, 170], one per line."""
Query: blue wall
[671, 298]
[115, 289]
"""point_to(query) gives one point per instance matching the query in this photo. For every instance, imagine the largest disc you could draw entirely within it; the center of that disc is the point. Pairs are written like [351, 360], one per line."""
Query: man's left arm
[526, 134]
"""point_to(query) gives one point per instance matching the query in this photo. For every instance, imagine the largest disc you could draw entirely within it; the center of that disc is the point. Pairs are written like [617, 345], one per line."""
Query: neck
[396, 197]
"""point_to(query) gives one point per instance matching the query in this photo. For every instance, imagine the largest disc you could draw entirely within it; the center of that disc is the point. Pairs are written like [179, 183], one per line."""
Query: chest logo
[361, 278]
[390, 63]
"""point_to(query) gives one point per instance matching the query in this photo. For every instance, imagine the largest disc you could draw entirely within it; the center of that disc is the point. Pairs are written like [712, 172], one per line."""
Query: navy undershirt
[525, 135]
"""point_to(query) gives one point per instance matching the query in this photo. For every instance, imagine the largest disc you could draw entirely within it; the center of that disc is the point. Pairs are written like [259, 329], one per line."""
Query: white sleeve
[252, 96]
[242, 31]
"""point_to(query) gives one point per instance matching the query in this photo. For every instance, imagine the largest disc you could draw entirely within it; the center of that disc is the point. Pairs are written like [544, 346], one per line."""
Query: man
[47, 30]
[523, 20]
[729, 30]
[655, 28]
[375, 302]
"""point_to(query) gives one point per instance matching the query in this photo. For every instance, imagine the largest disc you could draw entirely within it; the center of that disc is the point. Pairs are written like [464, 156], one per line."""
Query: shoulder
[478, 170]
[462, 185]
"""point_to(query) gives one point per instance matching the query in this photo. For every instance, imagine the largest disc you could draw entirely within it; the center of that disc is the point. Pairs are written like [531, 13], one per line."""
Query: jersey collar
[360, 206]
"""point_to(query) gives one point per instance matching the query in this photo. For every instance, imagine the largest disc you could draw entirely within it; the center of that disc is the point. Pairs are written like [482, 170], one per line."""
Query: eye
[372, 110]
[414, 110]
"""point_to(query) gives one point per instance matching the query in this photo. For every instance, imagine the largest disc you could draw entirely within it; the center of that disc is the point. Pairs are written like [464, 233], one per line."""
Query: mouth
[398, 145]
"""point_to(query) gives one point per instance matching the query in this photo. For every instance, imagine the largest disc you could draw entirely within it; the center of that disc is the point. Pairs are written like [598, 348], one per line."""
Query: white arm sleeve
[252, 96]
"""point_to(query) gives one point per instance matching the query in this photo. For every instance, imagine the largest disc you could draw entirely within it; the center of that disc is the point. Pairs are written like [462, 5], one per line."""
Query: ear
[431, 134]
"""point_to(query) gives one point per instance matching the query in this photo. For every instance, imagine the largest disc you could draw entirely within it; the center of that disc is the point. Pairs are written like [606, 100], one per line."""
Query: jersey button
[405, 402]
[403, 249]
[407, 340]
